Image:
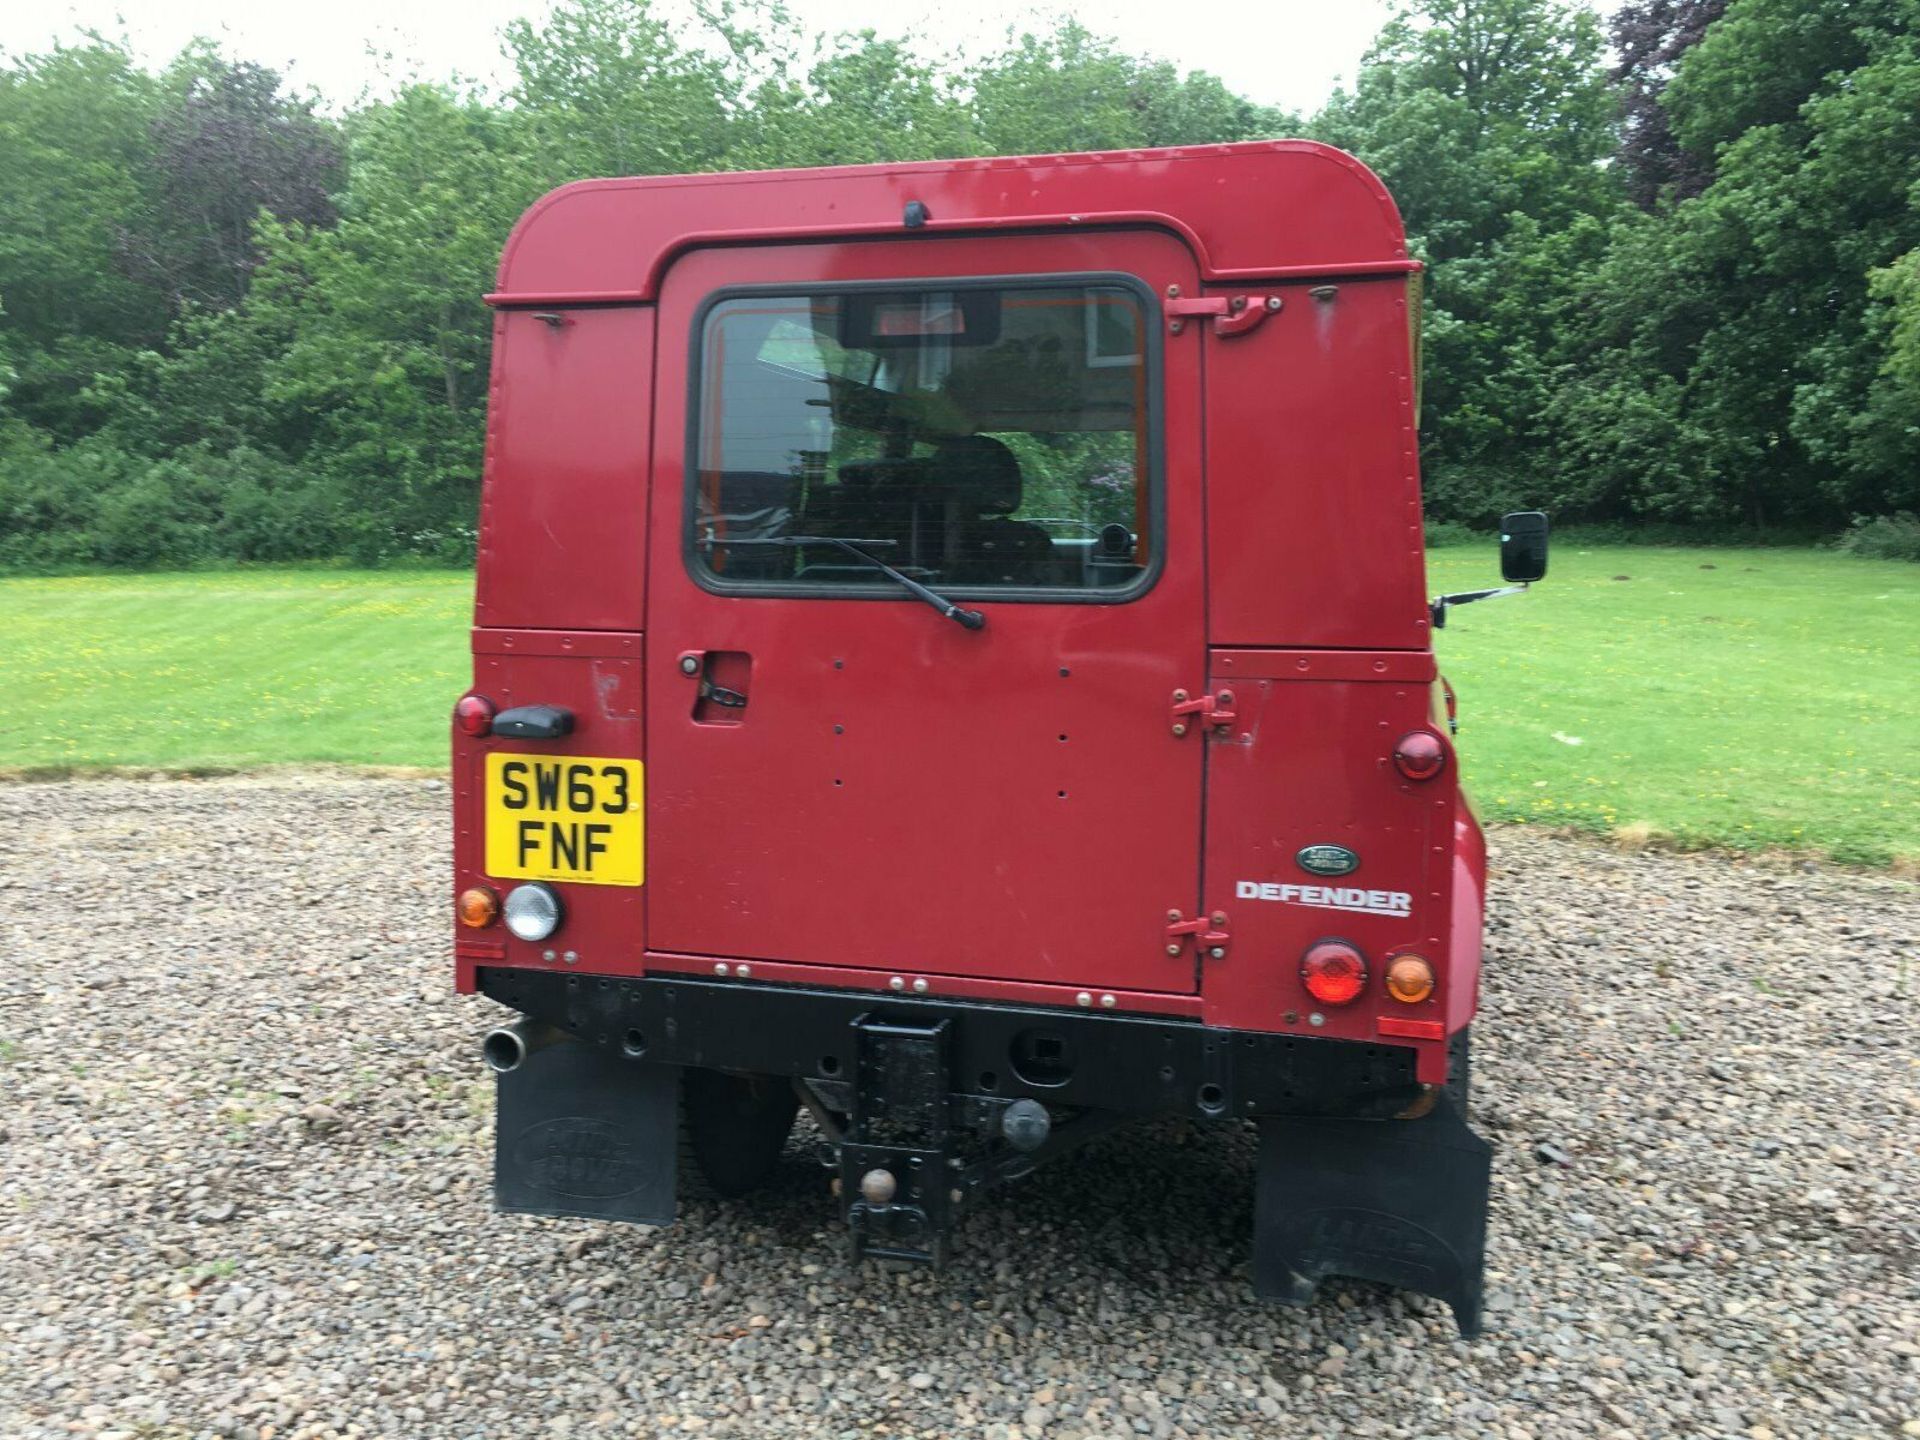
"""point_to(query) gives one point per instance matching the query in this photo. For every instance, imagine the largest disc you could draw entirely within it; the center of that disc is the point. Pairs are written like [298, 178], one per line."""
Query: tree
[1681, 284]
[1072, 90]
[1650, 36]
[611, 89]
[858, 100]
[74, 145]
[1490, 121]
[387, 337]
[226, 146]
[1741, 324]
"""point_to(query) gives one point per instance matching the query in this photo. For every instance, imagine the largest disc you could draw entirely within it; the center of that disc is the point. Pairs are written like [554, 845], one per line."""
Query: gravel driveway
[245, 1148]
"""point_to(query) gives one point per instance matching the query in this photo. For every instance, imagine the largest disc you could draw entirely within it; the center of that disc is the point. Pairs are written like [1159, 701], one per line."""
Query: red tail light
[1334, 972]
[474, 715]
[1420, 754]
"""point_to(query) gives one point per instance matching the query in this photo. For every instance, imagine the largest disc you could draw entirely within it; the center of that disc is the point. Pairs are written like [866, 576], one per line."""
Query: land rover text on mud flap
[952, 653]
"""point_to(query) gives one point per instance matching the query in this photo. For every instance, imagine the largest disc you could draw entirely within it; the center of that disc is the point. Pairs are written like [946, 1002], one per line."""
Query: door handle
[534, 722]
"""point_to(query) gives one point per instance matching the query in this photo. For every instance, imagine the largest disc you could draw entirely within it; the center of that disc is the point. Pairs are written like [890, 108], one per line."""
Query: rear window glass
[976, 437]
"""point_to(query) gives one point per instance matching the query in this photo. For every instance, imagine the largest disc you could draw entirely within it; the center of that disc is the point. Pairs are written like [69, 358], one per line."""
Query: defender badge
[1327, 860]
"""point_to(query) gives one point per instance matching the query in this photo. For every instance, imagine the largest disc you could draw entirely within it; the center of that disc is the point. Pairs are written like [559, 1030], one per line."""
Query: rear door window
[994, 437]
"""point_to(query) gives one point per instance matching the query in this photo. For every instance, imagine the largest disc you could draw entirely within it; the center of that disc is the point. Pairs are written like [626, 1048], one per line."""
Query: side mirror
[1523, 546]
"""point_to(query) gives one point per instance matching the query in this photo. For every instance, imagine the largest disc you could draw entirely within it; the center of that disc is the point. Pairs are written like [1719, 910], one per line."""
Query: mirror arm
[1441, 603]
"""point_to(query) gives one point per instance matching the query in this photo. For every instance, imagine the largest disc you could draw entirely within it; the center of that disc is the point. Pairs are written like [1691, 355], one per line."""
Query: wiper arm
[968, 619]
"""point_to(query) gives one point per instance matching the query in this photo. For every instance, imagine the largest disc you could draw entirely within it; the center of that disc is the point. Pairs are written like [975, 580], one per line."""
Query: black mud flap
[1403, 1202]
[583, 1131]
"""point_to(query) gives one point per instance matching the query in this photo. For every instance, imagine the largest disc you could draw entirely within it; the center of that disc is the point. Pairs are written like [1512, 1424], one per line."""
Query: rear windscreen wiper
[970, 619]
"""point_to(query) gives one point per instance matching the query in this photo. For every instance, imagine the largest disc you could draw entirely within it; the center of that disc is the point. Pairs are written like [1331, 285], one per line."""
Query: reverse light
[1420, 754]
[478, 907]
[533, 911]
[474, 715]
[1409, 979]
[1334, 972]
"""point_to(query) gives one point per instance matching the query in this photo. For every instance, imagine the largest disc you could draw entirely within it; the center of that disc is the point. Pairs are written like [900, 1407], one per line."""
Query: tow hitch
[914, 1156]
[895, 1161]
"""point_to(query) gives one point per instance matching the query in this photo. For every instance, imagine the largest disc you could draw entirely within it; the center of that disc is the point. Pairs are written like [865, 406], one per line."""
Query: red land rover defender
[952, 653]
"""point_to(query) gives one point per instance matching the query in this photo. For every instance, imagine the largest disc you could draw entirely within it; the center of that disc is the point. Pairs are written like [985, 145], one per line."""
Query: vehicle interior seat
[985, 546]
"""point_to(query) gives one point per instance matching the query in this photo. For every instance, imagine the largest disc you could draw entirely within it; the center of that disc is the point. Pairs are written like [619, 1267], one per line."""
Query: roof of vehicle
[1262, 210]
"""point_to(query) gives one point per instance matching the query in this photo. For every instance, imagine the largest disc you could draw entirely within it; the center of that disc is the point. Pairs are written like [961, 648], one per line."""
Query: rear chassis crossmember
[917, 1089]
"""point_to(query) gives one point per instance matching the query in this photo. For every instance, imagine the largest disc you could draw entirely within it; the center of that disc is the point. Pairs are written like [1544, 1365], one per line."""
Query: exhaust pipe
[507, 1047]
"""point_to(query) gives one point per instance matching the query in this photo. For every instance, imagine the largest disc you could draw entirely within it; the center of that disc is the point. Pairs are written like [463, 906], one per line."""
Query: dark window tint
[970, 437]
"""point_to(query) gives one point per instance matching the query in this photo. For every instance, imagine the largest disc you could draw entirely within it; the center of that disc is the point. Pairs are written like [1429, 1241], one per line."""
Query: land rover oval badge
[1327, 860]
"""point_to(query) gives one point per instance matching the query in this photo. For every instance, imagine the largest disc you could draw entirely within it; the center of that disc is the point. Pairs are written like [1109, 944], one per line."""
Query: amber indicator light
[1409, 979]
[478, 907]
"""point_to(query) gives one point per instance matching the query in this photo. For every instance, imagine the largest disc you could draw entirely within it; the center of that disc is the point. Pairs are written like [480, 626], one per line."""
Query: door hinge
[1232, 314]
[1209, 934]
[1207, 709]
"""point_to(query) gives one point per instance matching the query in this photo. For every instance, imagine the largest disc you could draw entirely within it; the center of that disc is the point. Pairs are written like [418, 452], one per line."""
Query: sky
[1279, 52]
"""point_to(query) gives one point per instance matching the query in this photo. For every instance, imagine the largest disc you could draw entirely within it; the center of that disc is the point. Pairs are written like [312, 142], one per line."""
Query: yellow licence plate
[571, 817]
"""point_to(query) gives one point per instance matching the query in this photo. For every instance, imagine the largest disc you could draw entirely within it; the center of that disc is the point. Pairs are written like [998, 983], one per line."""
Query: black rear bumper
[920, 1094]
[1136, 1065]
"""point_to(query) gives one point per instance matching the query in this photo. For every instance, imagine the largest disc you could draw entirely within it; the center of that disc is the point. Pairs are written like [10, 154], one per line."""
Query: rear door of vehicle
[838, 775]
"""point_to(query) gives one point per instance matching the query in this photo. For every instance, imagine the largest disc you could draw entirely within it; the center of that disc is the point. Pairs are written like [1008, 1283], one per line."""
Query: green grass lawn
[232, 669]
[1751, 698]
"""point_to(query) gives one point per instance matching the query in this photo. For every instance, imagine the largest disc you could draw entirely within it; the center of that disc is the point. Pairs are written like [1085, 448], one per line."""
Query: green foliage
[1071, 90]
[1883, 537]
[97, 504]
[1756, 66]
[613, 89]
[74, 146]
[387, 358]
[1684, 294]
[860, 99]
[1448, 534]
[1736, 355]
[1489, 121]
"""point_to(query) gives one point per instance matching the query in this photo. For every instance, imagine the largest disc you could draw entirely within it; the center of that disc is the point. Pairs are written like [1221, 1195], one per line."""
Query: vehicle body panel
[563, 499]
[1314, 535]
[901, 792]
[1291, 548]
[1263, 210]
